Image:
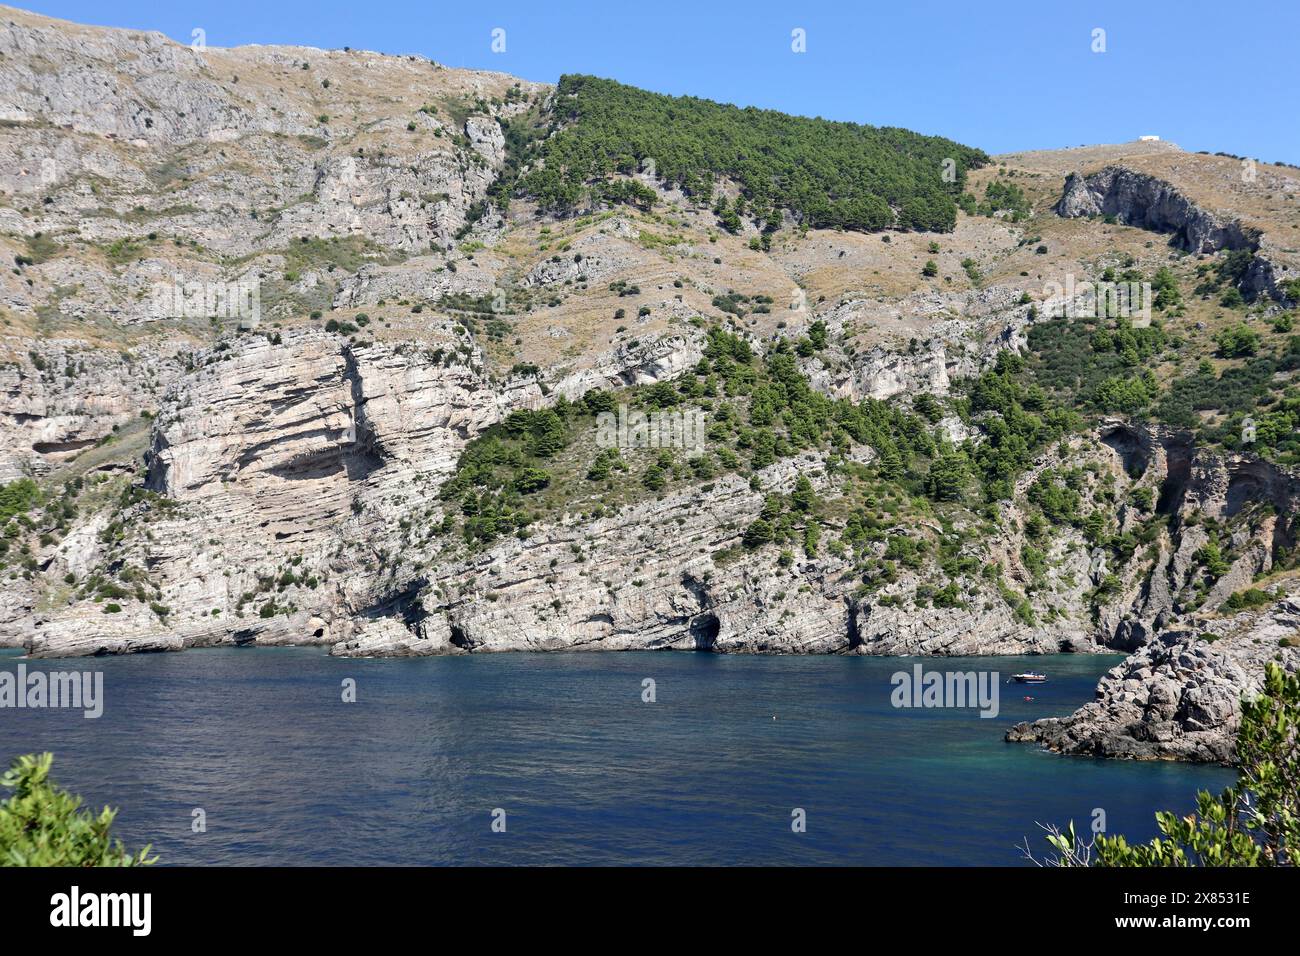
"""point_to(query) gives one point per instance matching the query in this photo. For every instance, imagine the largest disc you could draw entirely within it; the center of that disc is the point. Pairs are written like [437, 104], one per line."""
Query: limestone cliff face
[1146, 202]
[63, 398]
[128, 159]
[300, 473]
[1256, 498]
[1140, 200]
[647, 579]
[296, 457]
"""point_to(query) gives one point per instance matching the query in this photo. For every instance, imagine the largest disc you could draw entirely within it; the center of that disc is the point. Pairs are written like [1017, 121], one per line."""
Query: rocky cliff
[1147, 202]
[1179, 697]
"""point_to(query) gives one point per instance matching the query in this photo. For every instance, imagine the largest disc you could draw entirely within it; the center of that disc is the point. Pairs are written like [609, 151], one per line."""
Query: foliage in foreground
[1255, 823]
[44, 825]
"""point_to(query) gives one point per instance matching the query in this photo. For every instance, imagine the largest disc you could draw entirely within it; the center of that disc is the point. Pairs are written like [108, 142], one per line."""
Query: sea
[286, 756]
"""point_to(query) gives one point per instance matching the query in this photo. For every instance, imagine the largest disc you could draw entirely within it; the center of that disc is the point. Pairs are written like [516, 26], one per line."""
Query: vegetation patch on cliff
[830, 174]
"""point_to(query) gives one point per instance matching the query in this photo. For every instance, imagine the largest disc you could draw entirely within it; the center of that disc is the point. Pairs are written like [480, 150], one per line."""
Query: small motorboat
[1029, 677]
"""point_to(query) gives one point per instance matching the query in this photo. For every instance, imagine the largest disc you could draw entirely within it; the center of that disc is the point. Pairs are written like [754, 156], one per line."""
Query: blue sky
[1003, 76]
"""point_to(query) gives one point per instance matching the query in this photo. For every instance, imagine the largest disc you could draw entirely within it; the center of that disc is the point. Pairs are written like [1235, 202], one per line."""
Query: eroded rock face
[293, 456]
[1136, 199]
[388, 637]
[65, 398]
[1178, 698]
[1140, 200]
[300, 473]
[204, 165]
[643, 579]
[294, 469]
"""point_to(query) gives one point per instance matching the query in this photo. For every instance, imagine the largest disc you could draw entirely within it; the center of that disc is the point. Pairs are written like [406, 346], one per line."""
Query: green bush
[1237, 341]
[1251, 597]
[758, 534]
[43, 825]
[18, 497]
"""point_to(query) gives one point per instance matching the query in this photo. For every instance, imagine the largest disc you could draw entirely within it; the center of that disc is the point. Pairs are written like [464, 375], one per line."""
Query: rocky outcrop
[278, 474]
[1146, 202]
[1256, 499]
[64, 397]
[1137, 199]
[1178, 698]
[391, 637]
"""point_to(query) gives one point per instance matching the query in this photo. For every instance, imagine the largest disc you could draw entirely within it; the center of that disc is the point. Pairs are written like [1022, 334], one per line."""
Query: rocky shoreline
[1179, 697]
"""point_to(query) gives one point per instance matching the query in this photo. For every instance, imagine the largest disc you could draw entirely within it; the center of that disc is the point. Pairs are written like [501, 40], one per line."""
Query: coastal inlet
[583, 768]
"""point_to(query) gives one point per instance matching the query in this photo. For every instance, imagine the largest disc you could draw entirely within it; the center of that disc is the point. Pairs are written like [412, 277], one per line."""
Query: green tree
[1165, 286]
[817, 334]
[44, 825]
[947, 478]
[811, 537]
[18, 497]
[531, 479]
[803, 497]
[759, 533]
[1211, 558]
[1237, 341]
[654, 478]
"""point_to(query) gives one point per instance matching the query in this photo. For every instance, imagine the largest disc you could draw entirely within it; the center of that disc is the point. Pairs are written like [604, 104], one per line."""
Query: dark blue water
[585, 772]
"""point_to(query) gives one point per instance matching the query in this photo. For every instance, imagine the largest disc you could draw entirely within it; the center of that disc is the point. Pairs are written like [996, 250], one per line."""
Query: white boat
[1030, 677]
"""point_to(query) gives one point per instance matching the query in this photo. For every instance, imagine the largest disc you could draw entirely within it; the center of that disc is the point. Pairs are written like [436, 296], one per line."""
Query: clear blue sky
[1002, 76]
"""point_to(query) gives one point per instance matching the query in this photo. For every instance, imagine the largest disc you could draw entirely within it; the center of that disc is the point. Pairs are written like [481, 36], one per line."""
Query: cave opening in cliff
[459, 638]
[704, 631]
[1132, 454]
[1178, 474]
[1243, 488]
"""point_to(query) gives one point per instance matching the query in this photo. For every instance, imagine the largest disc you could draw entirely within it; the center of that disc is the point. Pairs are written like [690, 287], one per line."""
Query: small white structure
[1148, 139]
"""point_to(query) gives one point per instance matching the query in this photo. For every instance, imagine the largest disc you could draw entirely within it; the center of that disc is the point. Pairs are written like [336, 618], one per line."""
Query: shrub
[43, 825]
[757, 534]
[1212, 560]
[1251, 597]
[1237, 341]
[530, 480]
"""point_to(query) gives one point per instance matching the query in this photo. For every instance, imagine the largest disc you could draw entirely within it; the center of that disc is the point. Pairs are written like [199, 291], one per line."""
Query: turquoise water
[287, 773]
